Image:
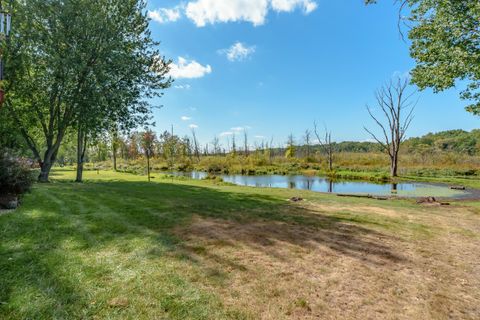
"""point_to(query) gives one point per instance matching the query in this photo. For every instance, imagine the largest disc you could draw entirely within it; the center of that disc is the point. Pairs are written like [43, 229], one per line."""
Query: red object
[2, 97]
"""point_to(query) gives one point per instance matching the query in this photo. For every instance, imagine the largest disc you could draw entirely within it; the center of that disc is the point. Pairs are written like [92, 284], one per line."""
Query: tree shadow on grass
[94, 216]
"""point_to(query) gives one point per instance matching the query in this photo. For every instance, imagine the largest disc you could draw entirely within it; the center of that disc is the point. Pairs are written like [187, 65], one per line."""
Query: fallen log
[457, 187]
[354, 195]
[368, 196]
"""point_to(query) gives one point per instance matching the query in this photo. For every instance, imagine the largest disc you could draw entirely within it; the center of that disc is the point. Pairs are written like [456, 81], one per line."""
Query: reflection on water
[313, 183]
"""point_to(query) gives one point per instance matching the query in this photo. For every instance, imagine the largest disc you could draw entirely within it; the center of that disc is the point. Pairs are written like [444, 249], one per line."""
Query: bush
[16, 177]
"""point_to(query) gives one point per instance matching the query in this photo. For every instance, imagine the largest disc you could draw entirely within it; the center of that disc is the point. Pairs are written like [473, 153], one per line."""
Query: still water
[321, 184]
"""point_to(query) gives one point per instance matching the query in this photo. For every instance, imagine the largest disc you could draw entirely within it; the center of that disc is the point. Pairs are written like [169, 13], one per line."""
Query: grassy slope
[110, 248]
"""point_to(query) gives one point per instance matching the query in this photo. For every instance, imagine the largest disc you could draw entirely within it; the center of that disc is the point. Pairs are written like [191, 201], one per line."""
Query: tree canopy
[79, 64]
[445, 43]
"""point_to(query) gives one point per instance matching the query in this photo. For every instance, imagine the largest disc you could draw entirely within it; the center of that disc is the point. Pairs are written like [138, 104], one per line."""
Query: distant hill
[459, 141]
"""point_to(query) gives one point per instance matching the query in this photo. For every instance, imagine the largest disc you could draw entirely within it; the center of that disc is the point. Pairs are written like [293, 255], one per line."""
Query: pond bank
[327, 185]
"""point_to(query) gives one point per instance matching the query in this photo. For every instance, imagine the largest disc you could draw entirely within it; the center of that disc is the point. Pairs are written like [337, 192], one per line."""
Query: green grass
[107, 248]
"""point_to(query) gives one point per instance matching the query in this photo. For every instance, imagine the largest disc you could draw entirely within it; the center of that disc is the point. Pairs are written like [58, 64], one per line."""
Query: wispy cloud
[182, 86]
[193, 126]
[185, 118]
[164, 15]
[238, 51]
[240, 129]
[226, 133]
[188, 69]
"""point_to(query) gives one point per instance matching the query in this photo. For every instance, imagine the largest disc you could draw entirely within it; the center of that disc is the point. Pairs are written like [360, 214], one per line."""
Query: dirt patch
[335, 270]
[356, 209]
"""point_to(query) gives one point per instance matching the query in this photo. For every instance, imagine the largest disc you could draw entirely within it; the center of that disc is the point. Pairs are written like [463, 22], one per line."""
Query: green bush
[16, 176]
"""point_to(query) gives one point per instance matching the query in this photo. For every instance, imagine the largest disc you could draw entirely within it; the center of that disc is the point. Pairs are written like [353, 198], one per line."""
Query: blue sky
[275, 66]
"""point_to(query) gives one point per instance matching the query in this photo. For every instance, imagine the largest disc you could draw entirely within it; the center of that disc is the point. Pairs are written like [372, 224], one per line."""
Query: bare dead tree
[270, 150]
[196, 147]
[234, 145]
[394, 102]
[326, 144]
[245, 142]
[307, 141]
[216, 145]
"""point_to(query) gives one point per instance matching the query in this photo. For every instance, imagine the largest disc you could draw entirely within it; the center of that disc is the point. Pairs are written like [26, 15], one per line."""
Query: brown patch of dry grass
[336, 269]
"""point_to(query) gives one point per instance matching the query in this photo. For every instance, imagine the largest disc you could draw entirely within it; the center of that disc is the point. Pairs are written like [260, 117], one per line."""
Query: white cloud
[203, 12]
[193, 126]
[259, 137]
[289, 5]
[240, 129]
[188, 69]
[164, 15]
[226, 133]
[185, 118]
[238, 52]
[182, 86]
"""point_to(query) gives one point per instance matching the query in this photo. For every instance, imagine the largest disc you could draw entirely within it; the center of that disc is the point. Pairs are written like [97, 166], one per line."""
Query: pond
[321, 184]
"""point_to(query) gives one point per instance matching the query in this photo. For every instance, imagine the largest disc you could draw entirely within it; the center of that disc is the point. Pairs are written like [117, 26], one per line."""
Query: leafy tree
[127, 70]
[291, 149]
[445, 37]
[78, 64]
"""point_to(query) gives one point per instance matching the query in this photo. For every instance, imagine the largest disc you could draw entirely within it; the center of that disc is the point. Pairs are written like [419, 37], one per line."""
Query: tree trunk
[114, 151]
[148, 165]
[394, 166]
[44, 172]
[47, 164]
[81, 146]
[79, 171]
[330, 161]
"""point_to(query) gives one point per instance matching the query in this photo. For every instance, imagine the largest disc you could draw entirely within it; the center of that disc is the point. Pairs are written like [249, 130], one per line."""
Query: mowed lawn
[118, 247]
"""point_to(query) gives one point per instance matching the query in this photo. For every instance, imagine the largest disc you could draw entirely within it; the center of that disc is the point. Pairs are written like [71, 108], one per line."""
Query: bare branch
[393, 100]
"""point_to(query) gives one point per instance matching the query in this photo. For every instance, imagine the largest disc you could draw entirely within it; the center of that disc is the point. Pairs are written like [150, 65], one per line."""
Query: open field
[117, 247]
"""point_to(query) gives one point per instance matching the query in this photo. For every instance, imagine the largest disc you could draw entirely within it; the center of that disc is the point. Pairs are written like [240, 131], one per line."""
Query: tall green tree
[70, 67]
[128, 71]
[445, 43]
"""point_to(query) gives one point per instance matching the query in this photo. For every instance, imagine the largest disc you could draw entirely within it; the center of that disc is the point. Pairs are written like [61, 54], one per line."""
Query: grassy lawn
[117, 247]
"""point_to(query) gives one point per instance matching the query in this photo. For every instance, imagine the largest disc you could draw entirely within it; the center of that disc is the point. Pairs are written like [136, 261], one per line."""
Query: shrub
[16, 176]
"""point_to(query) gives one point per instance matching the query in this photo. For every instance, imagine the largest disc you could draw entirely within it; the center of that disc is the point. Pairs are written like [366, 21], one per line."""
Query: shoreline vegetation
[368, 164]
[465, 177]
[450, 157]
